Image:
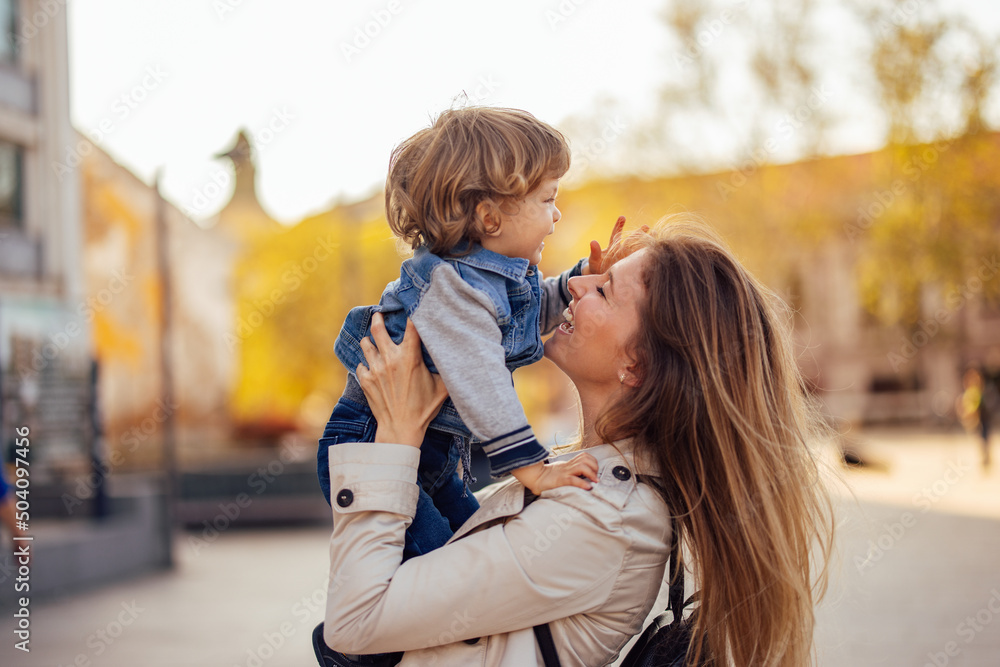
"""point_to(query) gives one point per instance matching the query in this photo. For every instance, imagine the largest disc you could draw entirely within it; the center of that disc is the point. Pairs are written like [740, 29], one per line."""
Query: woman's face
[591, 347]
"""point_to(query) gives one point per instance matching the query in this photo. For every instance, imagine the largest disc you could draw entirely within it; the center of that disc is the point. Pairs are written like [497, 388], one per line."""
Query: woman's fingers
[373, 355]
[378, 332]
[403, 395]
[411, 339]
[364, 377]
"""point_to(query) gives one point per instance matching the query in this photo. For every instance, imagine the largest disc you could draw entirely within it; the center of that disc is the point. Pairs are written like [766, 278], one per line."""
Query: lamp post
[166, 370]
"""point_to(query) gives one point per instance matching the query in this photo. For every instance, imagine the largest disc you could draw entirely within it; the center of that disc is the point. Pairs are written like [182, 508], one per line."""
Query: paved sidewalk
[918, 578]
[907, 583]
[249, 599]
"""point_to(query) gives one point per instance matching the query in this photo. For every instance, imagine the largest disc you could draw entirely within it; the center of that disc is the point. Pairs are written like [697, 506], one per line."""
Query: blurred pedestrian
[974, 409]
[7, 501]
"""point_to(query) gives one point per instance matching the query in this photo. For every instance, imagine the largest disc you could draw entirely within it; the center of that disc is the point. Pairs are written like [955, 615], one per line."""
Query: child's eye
[600, 290]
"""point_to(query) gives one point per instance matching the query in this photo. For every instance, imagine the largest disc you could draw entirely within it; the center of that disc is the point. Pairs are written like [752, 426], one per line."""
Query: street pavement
[916, 581]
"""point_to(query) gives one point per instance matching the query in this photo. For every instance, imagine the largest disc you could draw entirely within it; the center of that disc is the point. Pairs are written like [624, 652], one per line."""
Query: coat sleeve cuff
[373, 477]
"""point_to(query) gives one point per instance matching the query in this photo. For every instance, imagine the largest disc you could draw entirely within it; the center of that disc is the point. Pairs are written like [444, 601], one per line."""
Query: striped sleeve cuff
[514, 450]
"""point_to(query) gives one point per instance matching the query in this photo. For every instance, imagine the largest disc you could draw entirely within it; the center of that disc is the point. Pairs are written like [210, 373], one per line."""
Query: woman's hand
[404, 396]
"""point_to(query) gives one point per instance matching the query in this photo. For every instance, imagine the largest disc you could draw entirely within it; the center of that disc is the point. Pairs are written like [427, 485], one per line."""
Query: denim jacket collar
[515, 268]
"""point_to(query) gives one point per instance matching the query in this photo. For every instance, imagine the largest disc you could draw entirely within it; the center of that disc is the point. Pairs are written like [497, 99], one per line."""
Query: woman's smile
[567, 326]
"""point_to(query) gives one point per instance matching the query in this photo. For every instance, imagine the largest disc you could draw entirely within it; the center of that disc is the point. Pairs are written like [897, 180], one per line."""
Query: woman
[685, 374]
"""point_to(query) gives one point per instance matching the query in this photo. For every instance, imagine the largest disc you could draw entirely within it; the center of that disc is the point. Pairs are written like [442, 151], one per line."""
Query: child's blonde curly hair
[439, 177]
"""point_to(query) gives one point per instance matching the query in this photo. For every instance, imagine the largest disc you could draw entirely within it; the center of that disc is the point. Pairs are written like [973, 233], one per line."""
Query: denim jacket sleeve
[562, 555]
[556, 296]
[458, 325]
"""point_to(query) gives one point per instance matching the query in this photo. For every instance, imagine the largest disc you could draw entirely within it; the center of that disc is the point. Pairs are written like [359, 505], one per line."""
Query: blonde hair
[470, 156]
[721, 409]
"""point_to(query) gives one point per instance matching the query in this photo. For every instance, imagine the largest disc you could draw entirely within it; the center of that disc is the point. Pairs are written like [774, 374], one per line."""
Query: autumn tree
[749, 84]
[934, 213]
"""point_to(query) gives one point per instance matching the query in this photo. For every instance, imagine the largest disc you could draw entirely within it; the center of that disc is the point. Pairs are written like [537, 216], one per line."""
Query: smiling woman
[686, 381]
[601, 319]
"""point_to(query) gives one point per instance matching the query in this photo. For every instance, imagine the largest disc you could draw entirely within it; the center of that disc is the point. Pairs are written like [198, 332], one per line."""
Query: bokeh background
[190, 201]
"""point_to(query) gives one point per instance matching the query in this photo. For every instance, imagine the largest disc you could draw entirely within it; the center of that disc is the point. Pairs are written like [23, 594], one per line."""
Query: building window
[11, 185]
[8, 23]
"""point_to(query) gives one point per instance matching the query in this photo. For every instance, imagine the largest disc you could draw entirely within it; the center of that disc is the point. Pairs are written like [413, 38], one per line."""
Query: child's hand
[540, 477]
[595, 264]
[598, 260]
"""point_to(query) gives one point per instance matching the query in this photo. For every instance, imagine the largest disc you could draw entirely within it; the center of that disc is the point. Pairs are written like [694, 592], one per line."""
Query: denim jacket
[480, 315]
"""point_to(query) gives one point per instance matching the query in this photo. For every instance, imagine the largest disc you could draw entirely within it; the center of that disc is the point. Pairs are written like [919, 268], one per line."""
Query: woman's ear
[490, 215]
[631, 376]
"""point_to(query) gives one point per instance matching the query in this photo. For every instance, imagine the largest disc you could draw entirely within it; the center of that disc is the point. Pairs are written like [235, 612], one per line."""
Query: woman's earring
[621, 377]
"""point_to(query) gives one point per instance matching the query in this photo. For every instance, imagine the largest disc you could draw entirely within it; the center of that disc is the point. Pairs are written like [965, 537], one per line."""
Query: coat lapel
[505, 502]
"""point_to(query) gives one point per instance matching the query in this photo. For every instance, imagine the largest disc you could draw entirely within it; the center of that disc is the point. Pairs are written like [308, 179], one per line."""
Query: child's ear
[490, 215]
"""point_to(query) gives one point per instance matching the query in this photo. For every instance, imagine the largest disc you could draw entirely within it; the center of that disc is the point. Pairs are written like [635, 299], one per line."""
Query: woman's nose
[577, 285]
[573, 284]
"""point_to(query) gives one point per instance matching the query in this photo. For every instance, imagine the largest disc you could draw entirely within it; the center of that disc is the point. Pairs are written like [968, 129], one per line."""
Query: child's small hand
[541, 477]
[598, 262]
[595, 263]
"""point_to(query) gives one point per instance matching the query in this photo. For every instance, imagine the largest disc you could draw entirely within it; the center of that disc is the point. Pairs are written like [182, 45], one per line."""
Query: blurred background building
[47, 308]
[44, 350]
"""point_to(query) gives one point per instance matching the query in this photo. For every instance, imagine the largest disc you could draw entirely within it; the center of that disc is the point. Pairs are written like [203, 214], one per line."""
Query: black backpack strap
[675, 596]
[544, 636]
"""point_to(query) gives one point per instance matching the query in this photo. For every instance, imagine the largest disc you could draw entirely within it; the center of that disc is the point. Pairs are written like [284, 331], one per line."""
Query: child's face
[523, 234]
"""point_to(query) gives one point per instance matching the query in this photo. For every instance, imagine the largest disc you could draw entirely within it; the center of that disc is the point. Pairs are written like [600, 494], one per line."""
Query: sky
[326, 89]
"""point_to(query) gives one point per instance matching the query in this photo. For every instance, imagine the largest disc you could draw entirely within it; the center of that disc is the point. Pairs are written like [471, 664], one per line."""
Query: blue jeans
[444, 503]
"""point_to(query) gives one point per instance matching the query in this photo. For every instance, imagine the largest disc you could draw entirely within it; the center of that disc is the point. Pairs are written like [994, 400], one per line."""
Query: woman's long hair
[721, 409]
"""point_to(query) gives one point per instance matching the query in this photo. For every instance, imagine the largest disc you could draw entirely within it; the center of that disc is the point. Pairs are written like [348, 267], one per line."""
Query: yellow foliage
[294, 289]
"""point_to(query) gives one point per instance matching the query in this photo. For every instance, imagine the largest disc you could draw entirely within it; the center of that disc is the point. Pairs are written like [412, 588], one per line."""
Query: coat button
[345, 497]
[621, 472]
[474, 640]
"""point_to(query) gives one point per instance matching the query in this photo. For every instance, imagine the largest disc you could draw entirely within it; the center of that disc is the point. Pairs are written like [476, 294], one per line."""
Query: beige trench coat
[589, 563]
